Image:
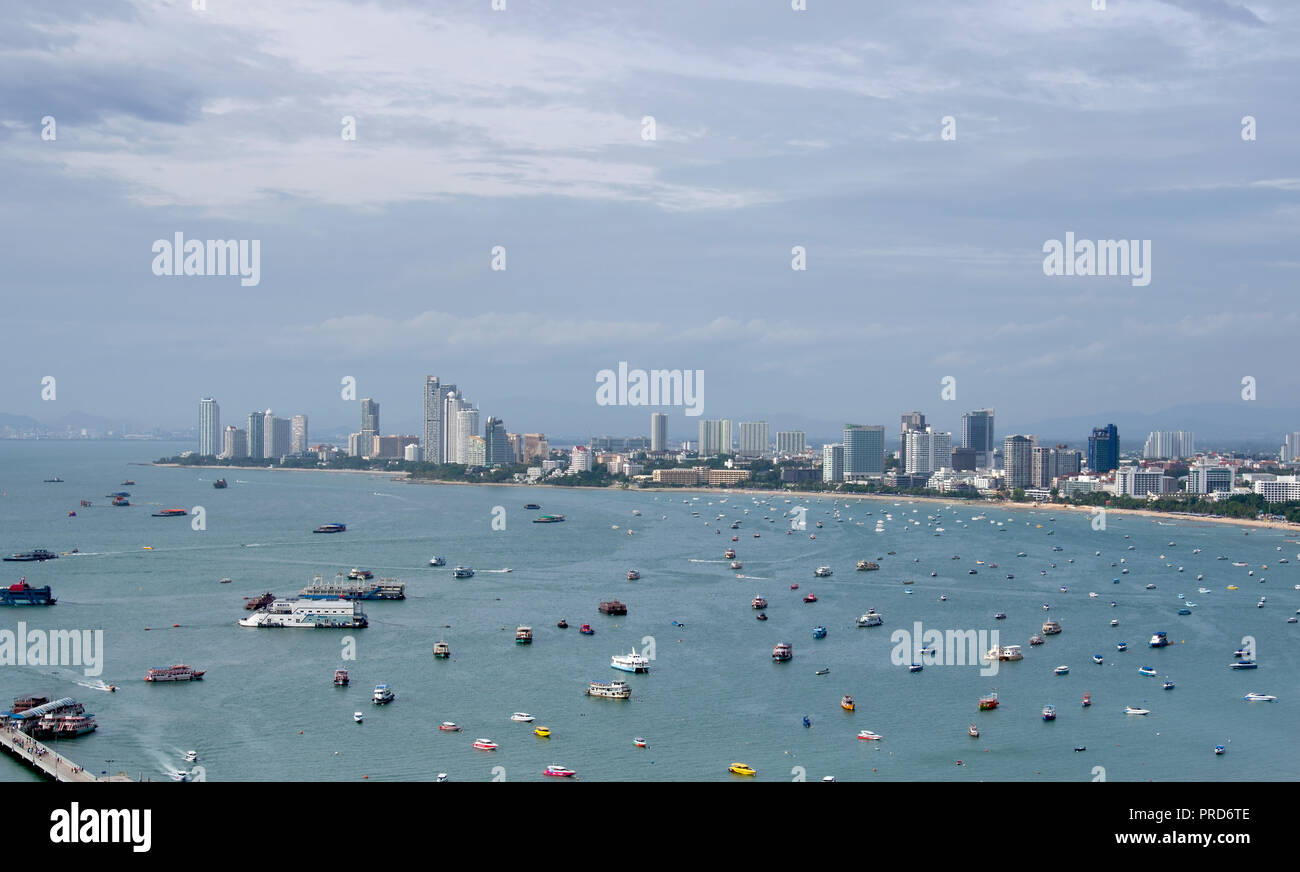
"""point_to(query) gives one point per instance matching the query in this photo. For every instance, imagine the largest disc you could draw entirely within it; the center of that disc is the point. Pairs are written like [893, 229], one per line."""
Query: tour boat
[436, 560]
[730, 554]
[383, 695]
[361, 574]
[1049, 713]
[485, 745]
[867, 566]
[609, 689]
[632, 662]
[736, 564]
[1051, 628]
[870, 619]
[441, 650]
[822, 572]
[989, 702]
[1260, 697]
[869, 736]
[782, 651]
[741, 769]
[449, 727]
[341, 678]
[524, 635]
[462, 572]
[1004, 652]
[522, 718]
[847, 703]
[180, 672]
[1131, 710]
[560, 772]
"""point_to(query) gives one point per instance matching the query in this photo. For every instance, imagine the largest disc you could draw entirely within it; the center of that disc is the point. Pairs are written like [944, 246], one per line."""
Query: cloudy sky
[773, 128]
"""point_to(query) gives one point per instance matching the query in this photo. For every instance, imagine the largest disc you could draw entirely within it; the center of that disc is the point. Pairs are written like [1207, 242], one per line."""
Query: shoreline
[978, 504]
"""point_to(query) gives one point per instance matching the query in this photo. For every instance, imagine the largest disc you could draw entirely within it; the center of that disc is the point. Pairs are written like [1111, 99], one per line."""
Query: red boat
[810, 598]
[794, 586]
[560, 772]
[586, 630]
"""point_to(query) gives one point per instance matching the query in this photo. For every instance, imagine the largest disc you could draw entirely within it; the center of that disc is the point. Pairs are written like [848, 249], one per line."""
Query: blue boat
[1096, 658]
[819, 632]
[807, 722]
[1122, 646]
[23, 594]
[915, 667]
[1184, 611]
[1147, 670]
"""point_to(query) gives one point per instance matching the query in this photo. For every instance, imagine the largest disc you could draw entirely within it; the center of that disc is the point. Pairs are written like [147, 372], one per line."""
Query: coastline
[979, 504]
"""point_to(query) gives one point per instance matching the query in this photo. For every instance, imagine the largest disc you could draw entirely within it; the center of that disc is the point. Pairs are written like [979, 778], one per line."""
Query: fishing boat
[867, 566]
[531, 506]
[1097, 658]
[1260, 697]
[548, 519]
[341, 678]
[462, 572]
[988, 703]
[868, 736]
[974, 731]
[441, 650]
[559, 772]
[782, 651]
[485, 745]
[741, 769]
[1049, 713]
[449, 727]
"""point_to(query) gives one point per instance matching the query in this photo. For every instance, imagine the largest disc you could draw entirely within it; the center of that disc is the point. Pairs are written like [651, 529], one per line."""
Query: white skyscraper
[753, 438]
[466, 426]
[209, 427]
[1169, 445]
[435, 421]
[833, 462]
[658, 431]
[298, 443]
[926, 451]
[715, 438]
[790, 442]
[456, 438]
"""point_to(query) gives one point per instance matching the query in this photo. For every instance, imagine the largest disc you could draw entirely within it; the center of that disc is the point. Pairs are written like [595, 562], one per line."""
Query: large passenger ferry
[23, 594]
[326, 614]
[632, 662]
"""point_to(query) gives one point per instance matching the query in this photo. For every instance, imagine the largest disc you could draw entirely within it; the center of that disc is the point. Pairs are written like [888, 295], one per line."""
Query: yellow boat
[740, 769]
[544, 732]
[1233, 587]
[847, 703]
[146, 548]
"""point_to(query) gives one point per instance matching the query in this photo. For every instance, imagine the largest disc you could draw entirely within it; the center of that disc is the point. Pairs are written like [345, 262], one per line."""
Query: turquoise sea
[267, 709]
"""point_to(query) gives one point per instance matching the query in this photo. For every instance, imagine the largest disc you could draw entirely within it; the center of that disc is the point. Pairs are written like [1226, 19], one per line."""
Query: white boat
[610, 689]
[320, 614]
[358, 717]
[522, 717]
[383, 694]
[870, 619]
[822, 572]
[191, 756]
[1062, 670]
[437, 561]
[1260, 697]
[632, 662]
[869, 736]
[1004, 652]
[1130, 710]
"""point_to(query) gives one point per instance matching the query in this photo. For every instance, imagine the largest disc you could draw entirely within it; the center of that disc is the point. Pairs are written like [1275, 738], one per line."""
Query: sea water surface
[267, 709]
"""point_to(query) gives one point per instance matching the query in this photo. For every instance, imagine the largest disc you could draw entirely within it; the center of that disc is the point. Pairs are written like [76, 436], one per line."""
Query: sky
[526, 128]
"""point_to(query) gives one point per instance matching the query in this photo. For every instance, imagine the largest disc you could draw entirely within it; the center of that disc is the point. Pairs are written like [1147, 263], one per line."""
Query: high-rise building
[277, 436]
[497, 447]
[977, 433]
[535, 447]
[1103, 449]
[864, 451]
[753, 438]
[256, 436]
[298, 435]
[790, 442]
[927, 450]
[909, 421]
[1134, 481]
[516, 441]
[1169, 445]
[234, 443]
[1051, 463]
[455, 444]
[476, 451]
[1291, 448]
[832, 463]
[1204, 478]
[209, 427]
[466, 426]
[715, 438]
[580, 459]
[435, 421]
[964, 459]
[1018, 460]
[369, 415]
[658, 431]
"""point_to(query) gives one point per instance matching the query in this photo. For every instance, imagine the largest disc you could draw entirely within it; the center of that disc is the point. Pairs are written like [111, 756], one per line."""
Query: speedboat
[639, 742]
[1147, 670]
[1260, 697]
[449, 727]
[1087, 699]
[867, 735]
[1096, 658]
[741, 769]
[1169, 685]
[633, 575]
[542, 732]
[1000, 616]
[1062, 670]
[586, 630]
[560, 772]
[485, 745]
[974, 731]
[191, 756]
[437, 561]
[1121, 646]
[1219, 750]
[358, 717]
[522, 717]
[822, 572]
[825, 671]
[819, 632]
[915, 667]
[1131, 710]
[1244, 664]
[1114, 622]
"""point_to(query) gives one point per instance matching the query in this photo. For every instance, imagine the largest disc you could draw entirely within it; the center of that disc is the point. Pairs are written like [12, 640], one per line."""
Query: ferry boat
[741, 769]
[871, 619]
[633, 575]
[1051, 628]
[867, 566]
[524, 635]
[730, 554]
[632, 662]
[988, 703]
[449, 727]
[179, 672]
[462, 572]
[819, 632]
[485, 745]
[822, 572]
[759, 602]
[609, 689]
[1260, 697]
[1004, 652]
[531, 506]
[341, 678]
[613, 607]
[548, 519]
[1159, 640]
[1049, 713]
[782, 651]
[383, 695]
[170, 513]
[331, 528]
[38, 556]
[63, 726]
[220, 483]
[560, 772]
[522, 718]
[384, 589]
[868, 736]
[23, 594]
[316, 614]
[435, 560]
[586, 630]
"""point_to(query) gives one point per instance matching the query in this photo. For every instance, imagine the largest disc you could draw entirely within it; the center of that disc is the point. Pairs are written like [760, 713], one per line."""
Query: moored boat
[383, 695]
[609, 689]
[868, 736]
[632, 662]
[341, 678]
[987, 703]
[782, 651]
[524, 635]
[179, 672]
[1049, 713]
[847, 703]
[441, 650]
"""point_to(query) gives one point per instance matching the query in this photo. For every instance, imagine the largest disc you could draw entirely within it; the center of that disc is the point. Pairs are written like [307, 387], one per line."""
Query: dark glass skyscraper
[977, 433]
[1103, 449]
[497, 449]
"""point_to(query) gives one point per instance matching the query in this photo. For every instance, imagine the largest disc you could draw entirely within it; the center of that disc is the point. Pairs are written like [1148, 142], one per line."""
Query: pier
[44, 759]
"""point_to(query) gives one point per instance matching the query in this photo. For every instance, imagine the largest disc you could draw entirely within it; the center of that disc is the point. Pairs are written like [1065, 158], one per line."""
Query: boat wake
[694, 560]
[755, 577]
[495, 571]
